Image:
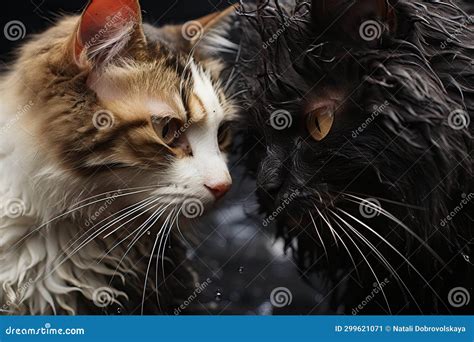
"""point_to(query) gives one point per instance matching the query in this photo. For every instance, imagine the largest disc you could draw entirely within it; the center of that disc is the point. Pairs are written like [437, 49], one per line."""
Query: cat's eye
[224, 136]
[166, 128]
[319, 122]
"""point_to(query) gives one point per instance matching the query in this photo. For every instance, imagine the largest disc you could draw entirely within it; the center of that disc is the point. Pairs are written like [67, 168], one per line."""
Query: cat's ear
[356, 20]
[204, 36]
[107, 28]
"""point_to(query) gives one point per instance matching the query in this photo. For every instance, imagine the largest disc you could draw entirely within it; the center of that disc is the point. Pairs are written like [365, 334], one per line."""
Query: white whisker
[344, 244]
[65, 214]
[150, 260]
[401, 224]
[363, 255]
[319, 235]
[329, 225]
[396, 251]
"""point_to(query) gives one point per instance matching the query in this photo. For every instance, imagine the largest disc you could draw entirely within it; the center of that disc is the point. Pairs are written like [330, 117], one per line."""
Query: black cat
[360, 123]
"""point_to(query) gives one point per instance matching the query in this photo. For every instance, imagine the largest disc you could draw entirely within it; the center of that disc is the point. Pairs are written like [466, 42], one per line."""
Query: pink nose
[218, 189]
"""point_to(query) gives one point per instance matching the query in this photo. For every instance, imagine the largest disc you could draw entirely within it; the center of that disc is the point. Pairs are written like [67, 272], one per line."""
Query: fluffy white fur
[35, 276]
[31, 249]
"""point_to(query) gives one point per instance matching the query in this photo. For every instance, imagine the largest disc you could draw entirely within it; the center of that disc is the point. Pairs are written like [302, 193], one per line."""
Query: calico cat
[113, 137]
[360, 139]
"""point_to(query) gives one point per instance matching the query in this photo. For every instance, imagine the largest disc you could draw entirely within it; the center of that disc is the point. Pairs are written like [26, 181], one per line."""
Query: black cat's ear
[354, 20]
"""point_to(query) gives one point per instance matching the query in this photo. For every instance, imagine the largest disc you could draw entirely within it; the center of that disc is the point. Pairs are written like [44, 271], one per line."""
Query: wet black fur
[408, 158]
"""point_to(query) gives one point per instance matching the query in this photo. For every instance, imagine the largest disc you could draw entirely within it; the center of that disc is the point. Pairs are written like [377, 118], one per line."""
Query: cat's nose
[218, 189]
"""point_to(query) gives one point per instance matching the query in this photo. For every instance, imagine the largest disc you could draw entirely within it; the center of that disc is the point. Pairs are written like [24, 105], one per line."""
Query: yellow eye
[319, 122]
[166, 128]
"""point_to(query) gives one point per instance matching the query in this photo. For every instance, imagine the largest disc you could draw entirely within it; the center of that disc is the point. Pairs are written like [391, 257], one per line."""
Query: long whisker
[167, 235]
[92, 237]
[127, 213]
[401, 224]
[329, 225]
[155, 216]
[162, 246]
[400, 204]
[118, 193]
[381, 257]
[138, 209]
[185, 241]
[139, 235]
[150, 260]
[396, 251]
[142, 226]
[101, 230]
[65, 214]
[319, 235]
[363, 256]
[343, 243]
[145, 226]
[123, 213]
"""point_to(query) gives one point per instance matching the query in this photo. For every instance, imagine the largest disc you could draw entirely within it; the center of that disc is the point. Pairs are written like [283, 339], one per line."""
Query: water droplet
[148, 233]
[241, 269]
[218, 295]
[119, 311]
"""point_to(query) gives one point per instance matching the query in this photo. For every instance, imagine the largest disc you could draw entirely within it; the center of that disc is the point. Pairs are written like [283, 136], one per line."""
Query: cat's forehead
[205, 97]
[162, 90]
[197, 98]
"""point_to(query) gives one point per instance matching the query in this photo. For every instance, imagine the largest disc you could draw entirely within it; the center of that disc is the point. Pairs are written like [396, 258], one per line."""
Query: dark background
[40, 14]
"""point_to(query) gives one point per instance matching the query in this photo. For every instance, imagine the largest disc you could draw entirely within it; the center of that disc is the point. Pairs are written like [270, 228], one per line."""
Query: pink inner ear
[102, 19]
